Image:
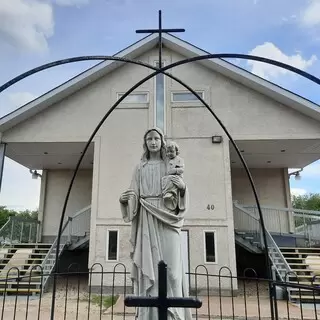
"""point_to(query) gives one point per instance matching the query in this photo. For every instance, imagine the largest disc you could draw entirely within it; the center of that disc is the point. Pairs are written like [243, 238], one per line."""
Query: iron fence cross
[160, 30]
[162, 302]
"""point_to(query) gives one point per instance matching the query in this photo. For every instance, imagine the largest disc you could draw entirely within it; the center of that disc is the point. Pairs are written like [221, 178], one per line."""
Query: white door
[185, 253]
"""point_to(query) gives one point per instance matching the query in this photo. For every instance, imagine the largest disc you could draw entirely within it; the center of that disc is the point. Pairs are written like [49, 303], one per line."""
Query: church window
[210, 246]
[160, 100]
[135, 97]
[112, 245]
[184, 96]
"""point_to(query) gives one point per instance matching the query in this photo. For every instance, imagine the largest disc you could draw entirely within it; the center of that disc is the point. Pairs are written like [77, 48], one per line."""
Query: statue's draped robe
[155, 236]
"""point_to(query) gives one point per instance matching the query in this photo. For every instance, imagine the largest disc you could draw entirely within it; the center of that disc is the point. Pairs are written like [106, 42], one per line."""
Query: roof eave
[186, 49]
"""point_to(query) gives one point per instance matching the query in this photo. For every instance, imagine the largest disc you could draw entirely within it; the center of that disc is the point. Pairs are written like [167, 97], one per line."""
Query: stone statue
[175, 166]
[155, 233]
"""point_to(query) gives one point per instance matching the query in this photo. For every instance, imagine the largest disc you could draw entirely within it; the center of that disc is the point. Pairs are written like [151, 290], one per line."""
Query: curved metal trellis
[158, 71]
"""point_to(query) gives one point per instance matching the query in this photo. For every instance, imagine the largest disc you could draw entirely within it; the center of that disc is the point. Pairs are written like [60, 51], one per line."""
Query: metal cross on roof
[160, 31]
[162, 302]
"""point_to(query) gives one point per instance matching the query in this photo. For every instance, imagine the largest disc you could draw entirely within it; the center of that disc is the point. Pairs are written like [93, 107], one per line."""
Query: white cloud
[69, 3]
[15, 100]
[298, 191]
[269, 50]
[26, 24]
[18, 99]
[311, 14]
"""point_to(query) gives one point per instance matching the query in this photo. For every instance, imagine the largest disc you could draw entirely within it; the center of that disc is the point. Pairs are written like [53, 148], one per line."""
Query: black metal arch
[175, 64]
[157, 71]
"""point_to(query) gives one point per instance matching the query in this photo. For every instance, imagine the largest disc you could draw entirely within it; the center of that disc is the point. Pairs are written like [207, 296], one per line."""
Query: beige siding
[241, 109]
[118, 149]
[272, 192]
[246, 113]
[57, 185]
[269, 183]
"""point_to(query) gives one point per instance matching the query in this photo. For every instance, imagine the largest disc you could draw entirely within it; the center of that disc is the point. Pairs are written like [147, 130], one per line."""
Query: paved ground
[82, 310]
[226, 310]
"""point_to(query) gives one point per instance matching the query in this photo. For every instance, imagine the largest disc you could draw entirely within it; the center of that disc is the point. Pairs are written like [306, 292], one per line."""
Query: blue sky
[33, 32]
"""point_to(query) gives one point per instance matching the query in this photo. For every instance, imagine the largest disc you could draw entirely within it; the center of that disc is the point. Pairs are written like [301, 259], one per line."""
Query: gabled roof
[182, 47]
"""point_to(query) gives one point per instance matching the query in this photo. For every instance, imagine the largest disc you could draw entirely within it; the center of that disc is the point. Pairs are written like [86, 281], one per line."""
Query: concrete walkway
[236, 308]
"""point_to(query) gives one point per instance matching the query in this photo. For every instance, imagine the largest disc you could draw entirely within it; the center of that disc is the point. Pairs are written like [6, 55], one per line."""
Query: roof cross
[160, 30]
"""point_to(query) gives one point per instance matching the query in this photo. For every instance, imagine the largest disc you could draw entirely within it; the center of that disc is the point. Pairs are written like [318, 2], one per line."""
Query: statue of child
[175, 166]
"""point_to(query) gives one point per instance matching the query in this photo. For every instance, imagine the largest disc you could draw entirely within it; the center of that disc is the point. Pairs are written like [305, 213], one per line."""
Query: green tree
[6, 213]
[28, 214]
[309, 201]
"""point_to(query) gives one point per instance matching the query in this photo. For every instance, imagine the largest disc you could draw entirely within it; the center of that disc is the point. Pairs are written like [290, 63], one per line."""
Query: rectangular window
[210, 246]
[186, 96]
[160, 98]
[135, 97]
[112, 245]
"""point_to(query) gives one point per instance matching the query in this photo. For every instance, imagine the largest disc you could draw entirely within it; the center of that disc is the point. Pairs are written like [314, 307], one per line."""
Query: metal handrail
[48, 263]
[48, 266]
[311, 212]
[80, 222]
[80, 212]
[291, 220]
[7, 230]
[243, 209]
[278, 251]
[271, 244]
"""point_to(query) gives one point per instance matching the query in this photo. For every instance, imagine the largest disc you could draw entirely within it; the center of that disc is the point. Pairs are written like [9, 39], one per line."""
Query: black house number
[210, 207]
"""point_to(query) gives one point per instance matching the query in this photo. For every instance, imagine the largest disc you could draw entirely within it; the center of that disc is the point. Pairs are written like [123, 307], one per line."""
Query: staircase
[25, 266]
[289, 263]
[19, 267]
[248, 241]
[304, 271]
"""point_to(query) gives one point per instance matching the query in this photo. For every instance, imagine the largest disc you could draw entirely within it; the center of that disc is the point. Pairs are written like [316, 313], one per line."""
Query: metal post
[162, 291]
[12, 224]
[30, 229]
[70, 229]
[21, 232]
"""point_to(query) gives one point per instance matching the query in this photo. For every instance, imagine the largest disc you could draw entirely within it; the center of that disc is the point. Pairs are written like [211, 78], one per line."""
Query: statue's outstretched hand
[124, 198]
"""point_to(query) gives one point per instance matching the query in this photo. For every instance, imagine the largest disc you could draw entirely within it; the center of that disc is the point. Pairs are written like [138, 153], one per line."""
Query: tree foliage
[6, 213]
[309, 201]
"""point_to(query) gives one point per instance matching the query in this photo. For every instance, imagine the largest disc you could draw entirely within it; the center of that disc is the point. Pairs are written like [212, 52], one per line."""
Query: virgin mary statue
[155, 233]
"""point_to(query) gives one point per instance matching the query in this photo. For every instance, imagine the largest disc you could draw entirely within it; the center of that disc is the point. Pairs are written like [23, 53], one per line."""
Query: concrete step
[18, 267]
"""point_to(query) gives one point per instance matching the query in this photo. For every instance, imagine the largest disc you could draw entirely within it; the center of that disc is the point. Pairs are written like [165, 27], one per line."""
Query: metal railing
[246, 221]
[76, 226]
[48, 263]
[80, 222]
[290, 220]
[252, 225]
[101, 292]
[19, 230]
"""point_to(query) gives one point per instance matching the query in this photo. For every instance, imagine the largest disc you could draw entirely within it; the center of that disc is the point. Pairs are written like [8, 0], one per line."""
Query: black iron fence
[100, 294]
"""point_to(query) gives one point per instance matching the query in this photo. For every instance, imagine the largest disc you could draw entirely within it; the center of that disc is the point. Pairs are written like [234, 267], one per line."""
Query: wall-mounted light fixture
[296, 174]
[216, 139]
[35, 174]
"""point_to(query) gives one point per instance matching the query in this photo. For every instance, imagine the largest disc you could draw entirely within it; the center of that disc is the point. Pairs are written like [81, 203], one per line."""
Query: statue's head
[172, 149]
[152, 131]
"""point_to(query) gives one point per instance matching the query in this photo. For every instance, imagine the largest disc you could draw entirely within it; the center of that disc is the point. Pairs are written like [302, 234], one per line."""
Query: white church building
[274, 129]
